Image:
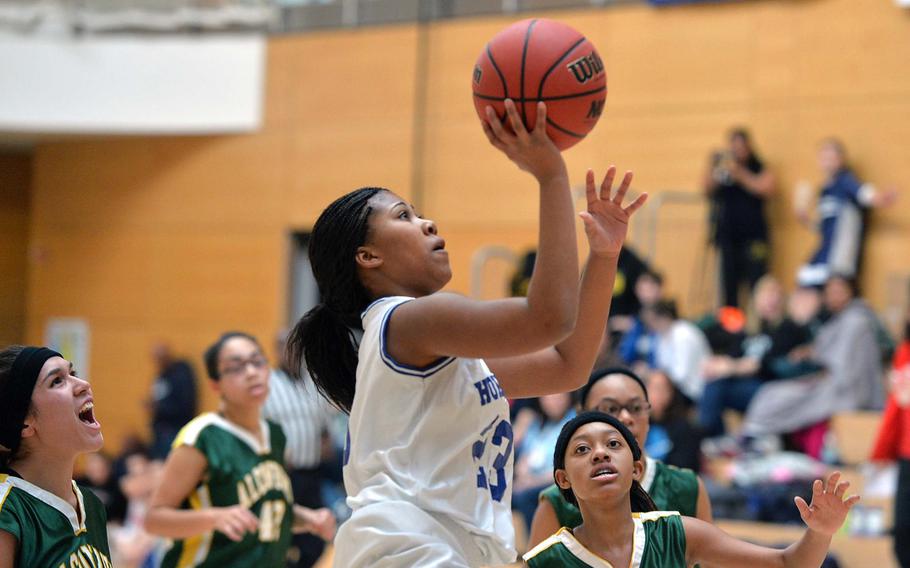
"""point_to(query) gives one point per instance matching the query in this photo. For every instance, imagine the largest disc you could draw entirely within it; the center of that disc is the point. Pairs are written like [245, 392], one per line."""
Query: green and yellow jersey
[671, 488]
[240, 471]
[50, 533]
[659, 541]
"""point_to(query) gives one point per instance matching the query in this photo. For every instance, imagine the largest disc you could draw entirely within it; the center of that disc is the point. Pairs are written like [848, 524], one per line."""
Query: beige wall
[15, 179]
[182, 238]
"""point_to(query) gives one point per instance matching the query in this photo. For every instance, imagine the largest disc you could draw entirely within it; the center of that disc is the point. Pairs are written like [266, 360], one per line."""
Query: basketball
[543, 60]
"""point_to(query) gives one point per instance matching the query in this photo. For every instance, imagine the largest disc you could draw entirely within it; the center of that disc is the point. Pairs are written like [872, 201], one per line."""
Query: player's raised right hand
[532, 151]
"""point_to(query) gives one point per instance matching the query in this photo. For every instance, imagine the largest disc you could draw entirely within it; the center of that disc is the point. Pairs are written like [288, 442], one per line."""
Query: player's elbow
[556, 327]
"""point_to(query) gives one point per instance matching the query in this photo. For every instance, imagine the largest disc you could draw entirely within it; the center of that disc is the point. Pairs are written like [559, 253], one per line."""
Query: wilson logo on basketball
[478, 74]
[586, 67]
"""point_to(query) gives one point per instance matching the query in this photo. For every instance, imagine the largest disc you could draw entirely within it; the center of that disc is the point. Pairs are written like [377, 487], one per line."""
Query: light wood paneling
[15, 179]
[182, 238]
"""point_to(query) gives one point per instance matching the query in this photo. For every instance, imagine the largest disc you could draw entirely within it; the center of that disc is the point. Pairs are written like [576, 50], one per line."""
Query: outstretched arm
[544, 523]
[446, 324]
[566, 366]
[183, 470]
[708, 544]
[8, 547]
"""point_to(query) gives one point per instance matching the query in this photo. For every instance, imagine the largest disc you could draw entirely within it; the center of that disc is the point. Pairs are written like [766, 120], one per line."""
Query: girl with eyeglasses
[47, 419]
[597, 464]
[621, 393]
[226, 499]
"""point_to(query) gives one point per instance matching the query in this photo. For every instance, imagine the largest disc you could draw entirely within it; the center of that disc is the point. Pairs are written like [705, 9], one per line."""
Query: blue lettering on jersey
[489, 390]
[502, 436]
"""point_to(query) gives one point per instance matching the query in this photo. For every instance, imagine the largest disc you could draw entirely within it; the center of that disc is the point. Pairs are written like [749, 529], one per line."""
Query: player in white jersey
[429, 454]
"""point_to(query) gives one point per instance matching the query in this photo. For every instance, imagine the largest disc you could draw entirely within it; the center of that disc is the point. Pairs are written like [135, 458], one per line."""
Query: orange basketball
[543, 60]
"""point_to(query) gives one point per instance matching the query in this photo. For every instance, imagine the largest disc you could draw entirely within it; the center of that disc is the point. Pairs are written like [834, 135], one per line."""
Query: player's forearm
[552, 295]
[179, 524]
[808, 552]
[579, 350]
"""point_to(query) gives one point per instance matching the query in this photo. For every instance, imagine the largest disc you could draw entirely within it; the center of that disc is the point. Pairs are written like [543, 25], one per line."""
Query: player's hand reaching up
[234, 521]
[828, 510]
[532, 151]
[606, 220]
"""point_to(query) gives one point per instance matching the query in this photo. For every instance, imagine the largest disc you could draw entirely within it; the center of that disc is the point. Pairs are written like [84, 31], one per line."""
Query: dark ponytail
[7, 358]
[323, 339]
[640, 500]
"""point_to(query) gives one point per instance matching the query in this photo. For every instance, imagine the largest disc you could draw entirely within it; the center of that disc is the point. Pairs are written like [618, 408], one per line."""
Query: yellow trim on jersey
[544, 544]
[655, 515]
[190, 432]
[9, 487]
[196, 548]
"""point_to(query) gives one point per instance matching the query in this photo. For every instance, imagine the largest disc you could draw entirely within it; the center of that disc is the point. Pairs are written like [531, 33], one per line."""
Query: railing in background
[670, 233]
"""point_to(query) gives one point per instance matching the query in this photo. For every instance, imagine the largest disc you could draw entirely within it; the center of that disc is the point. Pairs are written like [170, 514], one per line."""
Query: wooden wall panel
[15, 180]
[182, 238]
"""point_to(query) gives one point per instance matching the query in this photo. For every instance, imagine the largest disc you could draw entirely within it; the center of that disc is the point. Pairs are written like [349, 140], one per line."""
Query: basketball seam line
[564, 130]
[524, 55]
[558, 61]
[553, 98]
[505, 86]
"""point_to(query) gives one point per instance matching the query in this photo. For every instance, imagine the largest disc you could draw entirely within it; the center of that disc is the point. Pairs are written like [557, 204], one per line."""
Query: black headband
[16, 394]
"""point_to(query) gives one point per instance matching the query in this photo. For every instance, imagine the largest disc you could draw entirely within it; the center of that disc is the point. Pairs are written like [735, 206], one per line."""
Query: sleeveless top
[438, 437]
[659, 542]
[671, 488]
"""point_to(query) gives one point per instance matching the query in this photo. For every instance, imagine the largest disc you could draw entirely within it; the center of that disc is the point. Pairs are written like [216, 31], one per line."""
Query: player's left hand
[320, 522]
[606, 220]
[828, 510]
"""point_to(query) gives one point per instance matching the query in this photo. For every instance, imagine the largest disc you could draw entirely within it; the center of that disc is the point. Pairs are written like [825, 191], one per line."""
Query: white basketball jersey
[438, 437]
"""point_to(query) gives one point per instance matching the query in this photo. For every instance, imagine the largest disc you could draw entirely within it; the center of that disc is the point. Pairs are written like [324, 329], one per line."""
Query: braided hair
[323, 339]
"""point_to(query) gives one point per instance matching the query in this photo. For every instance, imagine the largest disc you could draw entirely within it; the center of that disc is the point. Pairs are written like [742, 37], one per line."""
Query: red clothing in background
[893, 441]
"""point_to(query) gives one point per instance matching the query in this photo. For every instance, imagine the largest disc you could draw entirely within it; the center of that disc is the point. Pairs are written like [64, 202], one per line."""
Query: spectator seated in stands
[847, 349]
[672, 438]
[637, 342]
[534, 461]
[893, 443]
[733, 374]
[681, 348]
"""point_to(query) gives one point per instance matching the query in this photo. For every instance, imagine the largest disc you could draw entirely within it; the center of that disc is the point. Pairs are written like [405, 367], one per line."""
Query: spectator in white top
[681, 348]
[305, 418]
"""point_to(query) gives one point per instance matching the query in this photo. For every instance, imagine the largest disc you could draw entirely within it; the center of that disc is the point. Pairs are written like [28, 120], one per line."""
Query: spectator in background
[626, 304]
[131, 545]
[305, 417]
[98, 475]
[734, 377]
[681, 348]
[173, 400]
[893, 443]
[847, 349]
[534, 459]
[737, 183]
[638, 342]
[842, 207]
[672, 438]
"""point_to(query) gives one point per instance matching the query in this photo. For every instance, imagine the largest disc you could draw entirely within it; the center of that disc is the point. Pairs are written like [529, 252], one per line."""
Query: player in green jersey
[47, 420]
[621, 393]
[225, 497]
[596, 464]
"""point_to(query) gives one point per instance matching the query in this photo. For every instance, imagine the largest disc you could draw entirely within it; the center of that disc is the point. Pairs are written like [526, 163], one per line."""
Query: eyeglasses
[613, 408]
[235, 368]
